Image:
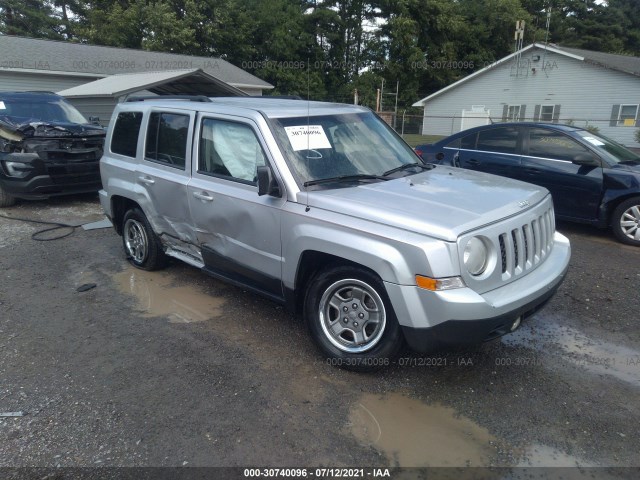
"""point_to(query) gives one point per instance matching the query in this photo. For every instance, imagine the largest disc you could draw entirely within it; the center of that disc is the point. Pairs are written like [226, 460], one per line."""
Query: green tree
[30, 18]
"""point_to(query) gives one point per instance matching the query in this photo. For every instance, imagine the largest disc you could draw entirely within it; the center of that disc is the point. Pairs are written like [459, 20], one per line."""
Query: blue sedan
[592, 179]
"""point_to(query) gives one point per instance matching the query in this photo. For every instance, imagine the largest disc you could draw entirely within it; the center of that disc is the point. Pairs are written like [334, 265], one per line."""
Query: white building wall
[586, 94]
[15, 81]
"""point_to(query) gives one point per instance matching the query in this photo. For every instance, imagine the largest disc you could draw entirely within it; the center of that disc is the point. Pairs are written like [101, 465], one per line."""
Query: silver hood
[442, 203]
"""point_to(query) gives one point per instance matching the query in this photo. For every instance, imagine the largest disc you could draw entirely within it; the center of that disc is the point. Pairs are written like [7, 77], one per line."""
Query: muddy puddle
[546, 335]
[157, 296]
[413, 434]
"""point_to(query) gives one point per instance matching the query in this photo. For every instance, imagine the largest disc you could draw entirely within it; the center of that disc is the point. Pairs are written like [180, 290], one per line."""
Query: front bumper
[52, 178]
[457, 317]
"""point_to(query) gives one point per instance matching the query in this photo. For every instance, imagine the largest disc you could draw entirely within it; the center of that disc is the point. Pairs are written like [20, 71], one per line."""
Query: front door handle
[146, 179]
[203, 196]
[473, 162]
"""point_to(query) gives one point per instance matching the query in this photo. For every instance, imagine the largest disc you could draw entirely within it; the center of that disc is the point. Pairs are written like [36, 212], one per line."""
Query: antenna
[307, 208]
[546, 39]
[519, 38]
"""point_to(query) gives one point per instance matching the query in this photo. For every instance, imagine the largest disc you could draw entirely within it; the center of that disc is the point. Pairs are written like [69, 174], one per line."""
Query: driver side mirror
[586, 159]
[267, 184]
[94, 120]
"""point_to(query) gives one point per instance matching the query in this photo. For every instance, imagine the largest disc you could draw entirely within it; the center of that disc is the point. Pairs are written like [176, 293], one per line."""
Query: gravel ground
[176, 369]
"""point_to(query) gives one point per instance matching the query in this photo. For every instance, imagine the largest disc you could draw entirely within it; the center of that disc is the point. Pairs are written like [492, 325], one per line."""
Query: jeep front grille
[524, 247]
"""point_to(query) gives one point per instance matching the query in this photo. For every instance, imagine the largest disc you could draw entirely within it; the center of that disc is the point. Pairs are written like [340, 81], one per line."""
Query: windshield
[358, 146]
[617, 152]
[44, 110]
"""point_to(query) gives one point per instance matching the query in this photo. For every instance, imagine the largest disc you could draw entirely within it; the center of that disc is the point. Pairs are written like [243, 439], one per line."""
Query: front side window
[502, 140]
[555, 145]
[125, 133]
[229, 149]
[167, 136]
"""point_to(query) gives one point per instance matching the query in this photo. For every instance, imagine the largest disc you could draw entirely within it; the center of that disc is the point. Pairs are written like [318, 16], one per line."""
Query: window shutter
[556, 113]
[615, 112]
[536, 113]
[523, 109]
[505, 113]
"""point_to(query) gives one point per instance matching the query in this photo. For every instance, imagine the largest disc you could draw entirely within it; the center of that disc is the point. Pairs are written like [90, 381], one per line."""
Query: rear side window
[125, 133]
[167, 139]
[501, 140]
[550, 144]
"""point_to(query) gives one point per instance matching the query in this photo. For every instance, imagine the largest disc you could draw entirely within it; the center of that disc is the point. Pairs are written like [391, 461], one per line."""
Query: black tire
[141, 245]
[6, 200]
[363, 333]
[625, 221]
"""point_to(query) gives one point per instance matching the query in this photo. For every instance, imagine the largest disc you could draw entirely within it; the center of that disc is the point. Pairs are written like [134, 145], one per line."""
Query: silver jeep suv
[323, 208]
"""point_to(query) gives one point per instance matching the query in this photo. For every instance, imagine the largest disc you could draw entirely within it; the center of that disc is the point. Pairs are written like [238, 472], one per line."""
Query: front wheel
[626, 221]
[351, 319]
[140, 242]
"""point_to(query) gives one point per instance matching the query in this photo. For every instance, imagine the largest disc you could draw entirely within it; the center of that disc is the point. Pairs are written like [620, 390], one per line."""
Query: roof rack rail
[279, 97]
[190, 98]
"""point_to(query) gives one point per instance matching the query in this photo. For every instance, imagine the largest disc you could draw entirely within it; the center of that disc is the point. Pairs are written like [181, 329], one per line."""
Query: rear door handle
[147, 180]
[532, 171]
[203, 196]
[473, 161]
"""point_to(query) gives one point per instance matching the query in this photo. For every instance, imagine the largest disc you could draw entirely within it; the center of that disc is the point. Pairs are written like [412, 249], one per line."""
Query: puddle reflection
[413, 434]
[156, 296]
[597, 356]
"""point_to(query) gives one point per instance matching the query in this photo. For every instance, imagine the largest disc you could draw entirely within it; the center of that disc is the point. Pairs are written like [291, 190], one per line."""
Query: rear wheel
[6, 200]
[626, 221]
[141, 244]
[351, 319]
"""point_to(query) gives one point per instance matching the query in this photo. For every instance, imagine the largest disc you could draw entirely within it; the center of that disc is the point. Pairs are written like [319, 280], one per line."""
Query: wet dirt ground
[174, 368]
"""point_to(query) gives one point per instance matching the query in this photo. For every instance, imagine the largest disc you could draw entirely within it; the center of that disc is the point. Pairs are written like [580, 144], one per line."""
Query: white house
[545, 83]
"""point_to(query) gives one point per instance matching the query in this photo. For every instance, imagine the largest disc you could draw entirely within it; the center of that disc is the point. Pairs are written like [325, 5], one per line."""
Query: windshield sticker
[307, 137]
[2, 107]
[594, 141]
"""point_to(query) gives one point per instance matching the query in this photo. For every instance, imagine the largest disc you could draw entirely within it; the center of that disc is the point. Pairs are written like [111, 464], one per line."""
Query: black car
[47, 148]
[592, 179]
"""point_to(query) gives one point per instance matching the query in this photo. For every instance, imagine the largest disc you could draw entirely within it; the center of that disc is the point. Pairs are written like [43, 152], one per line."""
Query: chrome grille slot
[503, 252]
[516, 240]
[526, 246]
[526, 234]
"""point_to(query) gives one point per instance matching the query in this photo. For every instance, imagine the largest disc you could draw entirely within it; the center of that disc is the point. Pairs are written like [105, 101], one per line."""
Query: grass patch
[415, 139]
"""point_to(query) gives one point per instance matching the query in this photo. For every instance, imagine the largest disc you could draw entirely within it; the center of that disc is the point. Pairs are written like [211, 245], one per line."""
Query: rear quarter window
[126, 131]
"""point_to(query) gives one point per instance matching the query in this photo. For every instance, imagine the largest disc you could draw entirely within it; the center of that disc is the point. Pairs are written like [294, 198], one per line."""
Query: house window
[628, 115]
[514, 113]
[546, 113]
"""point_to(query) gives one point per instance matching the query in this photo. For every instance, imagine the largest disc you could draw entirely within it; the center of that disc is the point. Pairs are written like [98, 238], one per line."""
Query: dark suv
[592, 179]
[47, 148]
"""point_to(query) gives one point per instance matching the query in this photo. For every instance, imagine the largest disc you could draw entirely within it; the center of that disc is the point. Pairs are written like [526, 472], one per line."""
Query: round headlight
[475, 256]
